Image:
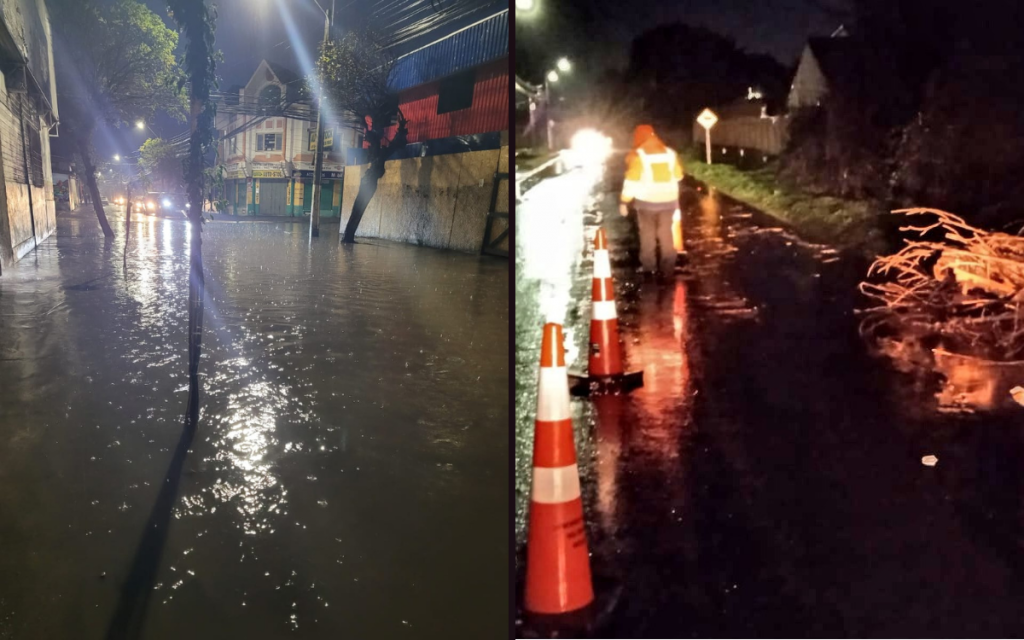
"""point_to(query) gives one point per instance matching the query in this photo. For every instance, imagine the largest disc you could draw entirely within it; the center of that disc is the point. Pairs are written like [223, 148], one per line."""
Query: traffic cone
[557, 561]
[604, 364]
[605, 350]
[677, 231]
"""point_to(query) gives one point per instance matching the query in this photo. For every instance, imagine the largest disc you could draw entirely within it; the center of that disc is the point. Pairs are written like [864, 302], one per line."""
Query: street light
[140, 125]
[318, 160]
[552, 76]
[117, 158]
[563, 64]
[525, 5]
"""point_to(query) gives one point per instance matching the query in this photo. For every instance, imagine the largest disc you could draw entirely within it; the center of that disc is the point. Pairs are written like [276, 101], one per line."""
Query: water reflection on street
[768, 478]
[349, 474]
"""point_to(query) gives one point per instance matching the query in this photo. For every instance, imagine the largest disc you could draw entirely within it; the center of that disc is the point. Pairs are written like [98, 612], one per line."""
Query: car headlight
[150, 206]
[589, 147]
[167, 203]
[188, 205]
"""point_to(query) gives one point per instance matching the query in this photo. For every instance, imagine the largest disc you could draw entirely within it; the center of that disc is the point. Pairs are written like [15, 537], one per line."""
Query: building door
[307, 195]
[273, 197]
[241, 198]
[326, 196]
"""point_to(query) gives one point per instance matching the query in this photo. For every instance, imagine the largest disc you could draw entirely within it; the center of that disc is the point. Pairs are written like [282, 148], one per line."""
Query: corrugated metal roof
[479, 43]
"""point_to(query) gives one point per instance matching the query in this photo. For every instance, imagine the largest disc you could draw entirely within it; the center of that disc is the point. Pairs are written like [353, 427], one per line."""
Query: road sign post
[707, 119]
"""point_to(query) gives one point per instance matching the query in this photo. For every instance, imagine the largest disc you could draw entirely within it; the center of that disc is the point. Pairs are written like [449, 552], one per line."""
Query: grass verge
[847, 224]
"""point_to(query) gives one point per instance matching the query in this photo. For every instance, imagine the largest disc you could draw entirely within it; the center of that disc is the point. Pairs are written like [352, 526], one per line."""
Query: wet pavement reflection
[768, 477]
[349, 471]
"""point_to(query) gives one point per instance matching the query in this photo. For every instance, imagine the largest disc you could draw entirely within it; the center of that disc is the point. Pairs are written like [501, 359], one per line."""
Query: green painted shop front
[282, 197]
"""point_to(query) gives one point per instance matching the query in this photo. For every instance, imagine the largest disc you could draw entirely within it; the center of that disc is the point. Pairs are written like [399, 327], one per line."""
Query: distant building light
[753, 94]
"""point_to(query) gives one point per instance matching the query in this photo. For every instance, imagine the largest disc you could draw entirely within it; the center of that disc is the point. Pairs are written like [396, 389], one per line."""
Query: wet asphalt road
[767, 479]
[349, 474]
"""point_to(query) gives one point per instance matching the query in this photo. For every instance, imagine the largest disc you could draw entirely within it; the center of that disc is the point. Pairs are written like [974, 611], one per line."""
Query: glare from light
[552, 76]
[588, 148]
[117, 158]
[533, 106]
[563, 64]
[140, 125]
[151, 206]
[525, 5]
[167, 203]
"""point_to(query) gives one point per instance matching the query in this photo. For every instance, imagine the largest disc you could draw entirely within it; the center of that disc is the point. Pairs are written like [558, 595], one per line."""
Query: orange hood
[641, 134]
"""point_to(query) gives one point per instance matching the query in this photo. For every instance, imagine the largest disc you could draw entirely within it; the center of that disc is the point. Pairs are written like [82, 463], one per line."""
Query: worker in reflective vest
[653, 172]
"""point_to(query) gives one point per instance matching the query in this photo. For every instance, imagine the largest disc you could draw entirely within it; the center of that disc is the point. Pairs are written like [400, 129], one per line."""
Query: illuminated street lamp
[552, 76]
[117, 158]
[140, 125]
[563, 64]
[525, 5]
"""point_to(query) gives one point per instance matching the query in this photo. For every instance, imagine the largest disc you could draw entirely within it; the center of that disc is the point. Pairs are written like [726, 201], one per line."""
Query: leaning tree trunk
[367, 187]
[368, 183]
[94, 189]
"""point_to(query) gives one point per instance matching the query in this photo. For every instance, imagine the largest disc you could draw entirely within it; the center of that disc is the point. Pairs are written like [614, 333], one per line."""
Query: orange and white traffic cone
[557, 561]
[677, 232]
[604, 365]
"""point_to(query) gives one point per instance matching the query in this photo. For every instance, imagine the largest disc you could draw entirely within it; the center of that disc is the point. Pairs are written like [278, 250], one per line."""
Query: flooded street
[767, 480]
[349, 472]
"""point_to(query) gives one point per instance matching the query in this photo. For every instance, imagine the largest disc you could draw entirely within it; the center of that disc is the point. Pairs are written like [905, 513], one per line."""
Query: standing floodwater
[349, 473]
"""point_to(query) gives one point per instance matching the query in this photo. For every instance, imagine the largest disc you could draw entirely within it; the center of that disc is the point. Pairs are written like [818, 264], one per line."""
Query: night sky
[247, 32]
[776, 27]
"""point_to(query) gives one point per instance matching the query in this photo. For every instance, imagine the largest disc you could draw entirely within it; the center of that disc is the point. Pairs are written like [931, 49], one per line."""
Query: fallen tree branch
[958, 284]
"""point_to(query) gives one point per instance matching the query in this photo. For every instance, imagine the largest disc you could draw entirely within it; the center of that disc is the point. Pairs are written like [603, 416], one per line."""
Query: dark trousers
[657, 252]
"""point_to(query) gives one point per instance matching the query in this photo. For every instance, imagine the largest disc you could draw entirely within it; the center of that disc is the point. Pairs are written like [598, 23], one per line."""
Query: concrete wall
[437, 201]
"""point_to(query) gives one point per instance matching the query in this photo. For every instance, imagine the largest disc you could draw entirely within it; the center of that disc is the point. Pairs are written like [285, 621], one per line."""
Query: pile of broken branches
[952, 282]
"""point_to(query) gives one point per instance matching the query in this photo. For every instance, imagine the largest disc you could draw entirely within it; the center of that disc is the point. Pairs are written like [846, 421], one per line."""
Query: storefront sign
[328, 139]
[324, 175]
[267, 173]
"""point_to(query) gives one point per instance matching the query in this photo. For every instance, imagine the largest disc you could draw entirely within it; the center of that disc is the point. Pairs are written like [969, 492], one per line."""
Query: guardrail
[522, 178]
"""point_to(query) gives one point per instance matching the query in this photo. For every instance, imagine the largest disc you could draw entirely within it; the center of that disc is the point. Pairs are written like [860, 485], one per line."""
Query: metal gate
[496, 232]
[273, 195]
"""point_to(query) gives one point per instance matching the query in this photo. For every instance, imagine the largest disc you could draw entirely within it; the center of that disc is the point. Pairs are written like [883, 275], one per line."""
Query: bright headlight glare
[589, 147]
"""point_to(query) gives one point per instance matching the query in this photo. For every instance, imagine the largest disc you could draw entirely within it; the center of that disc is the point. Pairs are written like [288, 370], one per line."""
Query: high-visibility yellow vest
[658, 179]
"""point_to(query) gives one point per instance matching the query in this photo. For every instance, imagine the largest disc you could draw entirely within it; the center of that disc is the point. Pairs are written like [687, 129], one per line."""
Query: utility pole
[126, 177]
[318, 161]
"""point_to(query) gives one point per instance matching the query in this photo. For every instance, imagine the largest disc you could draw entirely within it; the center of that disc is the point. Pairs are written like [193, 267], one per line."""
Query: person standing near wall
[653, 172]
